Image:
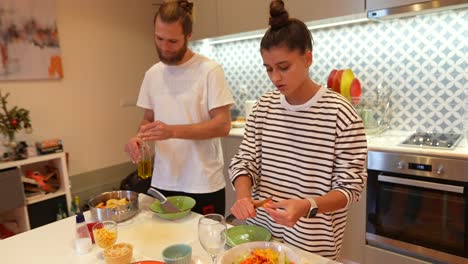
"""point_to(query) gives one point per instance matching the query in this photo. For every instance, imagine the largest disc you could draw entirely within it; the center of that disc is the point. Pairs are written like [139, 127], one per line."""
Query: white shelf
[42, 197]
[19, 163]
[58, 160]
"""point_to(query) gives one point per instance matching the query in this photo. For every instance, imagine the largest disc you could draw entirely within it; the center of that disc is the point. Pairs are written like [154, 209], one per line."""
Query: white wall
[106, 45]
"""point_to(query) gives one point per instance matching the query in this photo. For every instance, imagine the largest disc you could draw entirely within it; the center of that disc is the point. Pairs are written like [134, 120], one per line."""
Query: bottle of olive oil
[145, 165]
[145, 169]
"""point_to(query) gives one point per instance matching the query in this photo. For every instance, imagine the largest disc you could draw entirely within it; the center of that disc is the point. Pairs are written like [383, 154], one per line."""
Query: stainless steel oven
[418, 206]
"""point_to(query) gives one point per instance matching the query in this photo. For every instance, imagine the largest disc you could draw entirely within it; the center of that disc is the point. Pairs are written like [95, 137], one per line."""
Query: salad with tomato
[264, 256]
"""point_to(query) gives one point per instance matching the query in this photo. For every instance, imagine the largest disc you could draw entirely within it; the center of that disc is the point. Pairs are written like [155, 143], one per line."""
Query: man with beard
[187, 109]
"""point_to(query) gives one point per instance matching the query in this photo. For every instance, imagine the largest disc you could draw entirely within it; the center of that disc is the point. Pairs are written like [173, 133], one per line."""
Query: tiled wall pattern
[421, 62]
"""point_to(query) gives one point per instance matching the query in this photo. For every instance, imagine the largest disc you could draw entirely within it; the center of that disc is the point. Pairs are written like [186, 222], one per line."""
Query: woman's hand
[287, 212]
[156, 131]
[243, 208]
[133, 150]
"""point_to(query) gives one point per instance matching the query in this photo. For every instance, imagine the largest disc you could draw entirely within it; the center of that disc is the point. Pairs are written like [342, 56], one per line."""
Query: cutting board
[149, 234]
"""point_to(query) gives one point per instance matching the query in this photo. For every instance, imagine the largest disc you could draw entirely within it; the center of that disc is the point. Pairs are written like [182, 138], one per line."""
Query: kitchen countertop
[149, 234]
[389, 141]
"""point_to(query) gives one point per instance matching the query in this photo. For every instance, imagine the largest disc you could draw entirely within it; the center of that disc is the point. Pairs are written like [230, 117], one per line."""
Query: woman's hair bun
[278, 14]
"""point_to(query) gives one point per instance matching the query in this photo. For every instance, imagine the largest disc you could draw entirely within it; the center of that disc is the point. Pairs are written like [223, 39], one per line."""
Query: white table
[148, 234]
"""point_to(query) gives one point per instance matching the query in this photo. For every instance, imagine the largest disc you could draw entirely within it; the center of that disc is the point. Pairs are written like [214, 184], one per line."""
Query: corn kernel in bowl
[105, 238]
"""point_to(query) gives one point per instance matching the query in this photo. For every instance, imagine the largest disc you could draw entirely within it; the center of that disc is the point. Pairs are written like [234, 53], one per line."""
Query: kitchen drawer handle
[422, 184]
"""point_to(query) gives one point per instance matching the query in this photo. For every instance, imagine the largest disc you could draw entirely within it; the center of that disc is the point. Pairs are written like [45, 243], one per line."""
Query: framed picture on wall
[29, 44]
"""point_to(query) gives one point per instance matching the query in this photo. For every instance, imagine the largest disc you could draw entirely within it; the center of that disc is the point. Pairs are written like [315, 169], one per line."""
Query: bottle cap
[80, 218]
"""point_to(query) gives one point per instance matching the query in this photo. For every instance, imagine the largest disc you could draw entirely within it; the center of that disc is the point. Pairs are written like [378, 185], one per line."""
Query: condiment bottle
[83, 242]
[77, 203]
[61, 214]
[145, 165]
[75, 206]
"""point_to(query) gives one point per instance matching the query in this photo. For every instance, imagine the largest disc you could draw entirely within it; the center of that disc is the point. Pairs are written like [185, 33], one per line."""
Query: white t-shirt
[184, 94]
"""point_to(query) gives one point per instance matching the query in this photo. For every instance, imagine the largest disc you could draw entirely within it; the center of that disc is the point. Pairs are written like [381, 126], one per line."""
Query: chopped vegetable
[112, 203]
[264, 256]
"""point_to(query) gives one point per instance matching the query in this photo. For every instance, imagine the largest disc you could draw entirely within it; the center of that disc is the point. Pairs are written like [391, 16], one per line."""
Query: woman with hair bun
[304, 145]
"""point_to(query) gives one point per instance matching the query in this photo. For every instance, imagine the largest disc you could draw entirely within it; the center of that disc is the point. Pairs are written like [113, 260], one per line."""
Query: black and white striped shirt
[293, 152]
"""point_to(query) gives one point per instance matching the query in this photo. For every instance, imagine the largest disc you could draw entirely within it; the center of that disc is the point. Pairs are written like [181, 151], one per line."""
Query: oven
[418, 206]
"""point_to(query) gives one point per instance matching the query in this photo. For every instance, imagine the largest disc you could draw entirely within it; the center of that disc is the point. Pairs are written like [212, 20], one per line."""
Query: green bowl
[184, 203]
[246, 233]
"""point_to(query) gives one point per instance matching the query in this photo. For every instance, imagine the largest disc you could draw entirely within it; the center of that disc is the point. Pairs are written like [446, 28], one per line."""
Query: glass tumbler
[145, 165]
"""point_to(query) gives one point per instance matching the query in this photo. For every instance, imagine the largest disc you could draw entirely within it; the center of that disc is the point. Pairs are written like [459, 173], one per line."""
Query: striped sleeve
[244, 162]
[349, 174]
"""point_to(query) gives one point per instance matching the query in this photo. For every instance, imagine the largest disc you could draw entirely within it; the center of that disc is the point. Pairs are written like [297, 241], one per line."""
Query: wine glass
[105, 233]
[212, 234]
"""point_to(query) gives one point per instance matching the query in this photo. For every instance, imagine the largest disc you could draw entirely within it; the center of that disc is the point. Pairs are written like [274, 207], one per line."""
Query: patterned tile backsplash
[419, 62]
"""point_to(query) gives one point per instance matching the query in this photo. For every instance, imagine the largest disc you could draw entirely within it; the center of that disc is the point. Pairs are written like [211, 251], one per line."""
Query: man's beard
[172, 59]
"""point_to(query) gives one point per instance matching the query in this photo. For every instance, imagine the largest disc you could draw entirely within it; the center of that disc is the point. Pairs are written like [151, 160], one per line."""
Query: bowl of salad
[260, 252]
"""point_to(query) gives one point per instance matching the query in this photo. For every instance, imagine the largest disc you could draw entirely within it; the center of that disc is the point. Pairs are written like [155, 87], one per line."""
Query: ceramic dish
[330, 78]
[237, 253]
[345, 84]
[246, 233]
[355, 91]
[184, 203]
[337, 81]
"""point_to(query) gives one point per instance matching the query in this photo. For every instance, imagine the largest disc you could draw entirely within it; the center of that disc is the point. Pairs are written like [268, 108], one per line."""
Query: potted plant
[11, 121]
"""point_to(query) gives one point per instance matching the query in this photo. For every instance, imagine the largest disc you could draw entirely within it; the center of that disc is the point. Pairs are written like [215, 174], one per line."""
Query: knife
[165, 204]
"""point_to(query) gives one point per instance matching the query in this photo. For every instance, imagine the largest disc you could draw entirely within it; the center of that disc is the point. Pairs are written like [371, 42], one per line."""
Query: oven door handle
[422, 184]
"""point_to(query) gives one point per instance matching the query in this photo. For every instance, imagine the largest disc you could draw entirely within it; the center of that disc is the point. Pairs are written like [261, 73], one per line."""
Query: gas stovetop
[433, 140]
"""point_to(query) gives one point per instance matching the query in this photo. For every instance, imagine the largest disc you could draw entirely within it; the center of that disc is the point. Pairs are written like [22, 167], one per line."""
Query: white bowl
[233, 254]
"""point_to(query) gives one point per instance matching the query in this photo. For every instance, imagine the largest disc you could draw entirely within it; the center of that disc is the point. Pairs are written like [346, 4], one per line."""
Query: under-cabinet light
[214, 42]
[338, 23]
[311, 27]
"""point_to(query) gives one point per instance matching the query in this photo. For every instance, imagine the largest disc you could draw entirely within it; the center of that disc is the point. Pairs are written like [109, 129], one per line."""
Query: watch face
[313, 212]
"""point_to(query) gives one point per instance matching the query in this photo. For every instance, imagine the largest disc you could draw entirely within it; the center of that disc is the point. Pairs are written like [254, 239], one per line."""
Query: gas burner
[433, 140]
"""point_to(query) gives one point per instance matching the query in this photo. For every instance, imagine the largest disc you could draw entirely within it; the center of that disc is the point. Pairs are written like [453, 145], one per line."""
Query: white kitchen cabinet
[307, 10]
[30, 211]
[354, 240]
[225, 17]
[246, 15]
[242, 16]
[205, 18]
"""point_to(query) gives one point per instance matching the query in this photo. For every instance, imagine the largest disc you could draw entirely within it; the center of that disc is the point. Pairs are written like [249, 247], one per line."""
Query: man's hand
[133, 150]
[155, 131]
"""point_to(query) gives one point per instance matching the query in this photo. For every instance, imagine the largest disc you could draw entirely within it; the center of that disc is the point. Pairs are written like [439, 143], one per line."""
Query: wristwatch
[313, 208]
